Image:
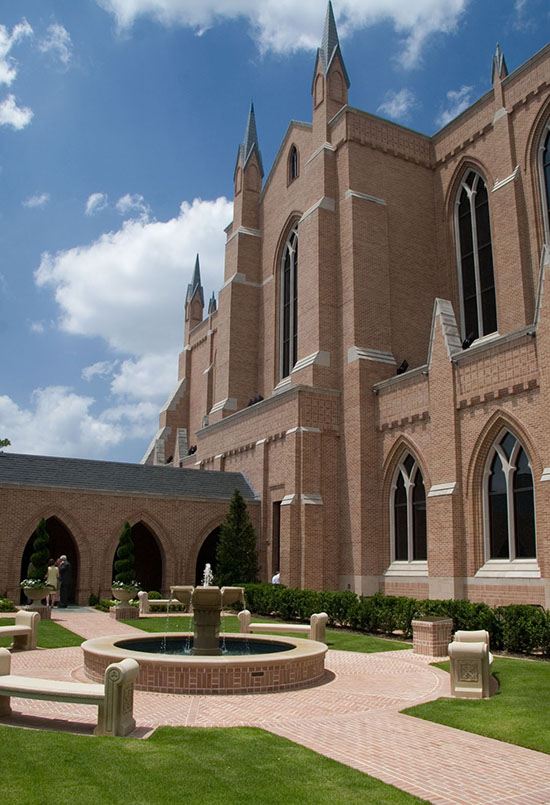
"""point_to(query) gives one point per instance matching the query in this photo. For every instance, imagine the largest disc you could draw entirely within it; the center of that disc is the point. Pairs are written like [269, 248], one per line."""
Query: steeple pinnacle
[195, 286]
[212, 306]
[330, 46]
[499, 68]
[250, 142]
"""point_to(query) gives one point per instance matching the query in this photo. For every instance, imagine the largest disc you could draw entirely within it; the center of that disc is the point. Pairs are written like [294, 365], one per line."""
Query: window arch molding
[543, 171]
[474, 252]
[293, 164]
[287, 299]
[405, 490]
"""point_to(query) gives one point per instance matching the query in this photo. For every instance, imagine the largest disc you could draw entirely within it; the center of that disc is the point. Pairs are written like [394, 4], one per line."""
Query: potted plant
[35, 586]
[124, 587]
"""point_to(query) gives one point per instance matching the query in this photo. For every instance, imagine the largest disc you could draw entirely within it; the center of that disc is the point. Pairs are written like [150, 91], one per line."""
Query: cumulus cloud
[398, 105]
[57, 42]
[287, 26]
[38, 200]
[99, 369]
[96, 202]
[457, 101]
[133, 203]
[12, 115]
[128, 286]
[8, 68]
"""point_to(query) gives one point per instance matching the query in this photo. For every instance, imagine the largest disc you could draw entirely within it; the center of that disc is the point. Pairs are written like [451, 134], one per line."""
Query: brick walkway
[352, 718]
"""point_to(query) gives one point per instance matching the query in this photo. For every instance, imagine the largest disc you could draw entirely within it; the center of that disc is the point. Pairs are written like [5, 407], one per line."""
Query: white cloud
[283, 25]
[59, 422]
[133, 203]
[38, 200]
[398, 105]
[8, 70]
[96, 202]
[128, 287]
[149, 377]
[37, 327]
[13, 115]
[99, 369]
[457, 102]
[58, 42]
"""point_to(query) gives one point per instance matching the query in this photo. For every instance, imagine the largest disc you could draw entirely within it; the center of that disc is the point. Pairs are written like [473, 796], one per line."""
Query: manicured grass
[339, 639]
[518, 713]
[50, 635]
[207, 766]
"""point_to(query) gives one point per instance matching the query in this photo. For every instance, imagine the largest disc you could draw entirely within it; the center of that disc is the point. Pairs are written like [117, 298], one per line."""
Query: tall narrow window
[289, 304]
[545, 181]
[509, 502]
[475, 256]
[292, 164]
[409, 513]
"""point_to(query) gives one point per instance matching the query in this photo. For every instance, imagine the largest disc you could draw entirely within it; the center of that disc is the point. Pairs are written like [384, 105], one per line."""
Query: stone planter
[124, 595]
[36, 594]
[182, 593]
[432, 635]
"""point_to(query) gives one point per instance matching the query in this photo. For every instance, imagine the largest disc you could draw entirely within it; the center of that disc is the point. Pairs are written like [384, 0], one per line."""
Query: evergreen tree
[40, 553]
[124, 564]
[236, 554]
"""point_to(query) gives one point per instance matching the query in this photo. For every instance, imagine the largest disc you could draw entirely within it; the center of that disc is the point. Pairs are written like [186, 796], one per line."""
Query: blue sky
[119, 127]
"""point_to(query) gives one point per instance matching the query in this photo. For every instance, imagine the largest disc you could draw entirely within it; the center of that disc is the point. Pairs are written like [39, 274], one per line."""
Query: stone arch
[336, 87]
[498, 421]
[252, 179]
[532, 162]
[467, 163]
[293, 163]
[62, 541]
[238, 181]
[151, 548]
[205, 549]
[319, 90]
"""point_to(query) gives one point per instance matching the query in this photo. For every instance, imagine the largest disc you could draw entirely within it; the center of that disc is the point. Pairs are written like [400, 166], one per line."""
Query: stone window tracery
[289, 304]
[544, 171]
[293, 164]
[475, 258]
[408, 513]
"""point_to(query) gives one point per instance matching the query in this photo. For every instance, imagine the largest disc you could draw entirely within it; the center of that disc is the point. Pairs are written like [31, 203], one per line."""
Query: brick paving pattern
[353, 718]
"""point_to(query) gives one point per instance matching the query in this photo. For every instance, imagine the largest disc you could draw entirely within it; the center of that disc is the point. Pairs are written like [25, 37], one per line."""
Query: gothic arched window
[408, 513]
[289, 304]
[475, 258]
[509, 502]
[545, 180]
[293, 164]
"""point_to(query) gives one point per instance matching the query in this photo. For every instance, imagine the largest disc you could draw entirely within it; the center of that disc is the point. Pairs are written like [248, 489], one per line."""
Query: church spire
[250, 143]
[195, 285]
[330, 47]
[212, 306]
[499, 69]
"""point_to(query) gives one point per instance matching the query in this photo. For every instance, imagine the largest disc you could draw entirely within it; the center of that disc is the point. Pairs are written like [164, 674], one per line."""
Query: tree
[236, 554]
[5, 442]
[124, 565]
[41, 552]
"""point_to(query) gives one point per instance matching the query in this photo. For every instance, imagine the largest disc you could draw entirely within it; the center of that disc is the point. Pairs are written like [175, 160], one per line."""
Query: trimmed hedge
[518, 628]
[7, 606]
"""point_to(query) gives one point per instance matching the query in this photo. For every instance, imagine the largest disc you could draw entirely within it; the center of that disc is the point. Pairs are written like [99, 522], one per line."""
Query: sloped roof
[110, 476]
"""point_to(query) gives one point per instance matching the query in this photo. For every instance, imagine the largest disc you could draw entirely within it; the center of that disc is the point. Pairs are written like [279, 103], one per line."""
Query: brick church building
[377, 366]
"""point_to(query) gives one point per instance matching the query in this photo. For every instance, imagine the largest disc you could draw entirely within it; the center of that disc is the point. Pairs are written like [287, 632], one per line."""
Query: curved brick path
[352, 718]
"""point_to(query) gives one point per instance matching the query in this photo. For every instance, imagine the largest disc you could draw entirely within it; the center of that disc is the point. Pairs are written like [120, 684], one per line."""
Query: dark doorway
[61, 542]
[276, 538]
[147, 558]
[207, 553]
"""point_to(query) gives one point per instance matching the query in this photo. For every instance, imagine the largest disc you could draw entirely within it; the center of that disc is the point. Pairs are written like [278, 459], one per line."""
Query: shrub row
[518, 628]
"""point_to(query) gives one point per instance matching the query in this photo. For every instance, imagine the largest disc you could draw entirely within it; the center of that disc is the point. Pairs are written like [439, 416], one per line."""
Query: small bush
[7, 606]
[93, 600]
[154, 595]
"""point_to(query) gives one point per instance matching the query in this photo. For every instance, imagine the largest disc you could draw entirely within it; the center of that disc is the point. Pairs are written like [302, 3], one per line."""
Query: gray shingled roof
[110, 476]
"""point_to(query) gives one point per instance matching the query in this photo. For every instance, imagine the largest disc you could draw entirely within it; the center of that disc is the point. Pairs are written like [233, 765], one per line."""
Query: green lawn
[50, 635]
[194, 765]
[518, 713]
[339, 639]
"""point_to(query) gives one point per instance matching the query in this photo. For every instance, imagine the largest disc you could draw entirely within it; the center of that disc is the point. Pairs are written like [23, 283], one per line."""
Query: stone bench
[145, 602]
[471, 663]
[114, 699]
[315, 630]
[23, 631]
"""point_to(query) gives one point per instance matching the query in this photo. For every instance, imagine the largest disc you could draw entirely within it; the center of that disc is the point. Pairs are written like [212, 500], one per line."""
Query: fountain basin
[301, 664]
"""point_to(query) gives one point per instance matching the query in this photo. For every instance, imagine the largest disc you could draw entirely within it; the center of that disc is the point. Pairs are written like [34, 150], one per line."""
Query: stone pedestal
[207, 604]
[124, 612]
[431, 636]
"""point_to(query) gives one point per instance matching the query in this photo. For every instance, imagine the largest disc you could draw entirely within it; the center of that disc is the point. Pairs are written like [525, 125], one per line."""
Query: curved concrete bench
[316, 630]
[114, 699]
[145, 602]
[24, 630]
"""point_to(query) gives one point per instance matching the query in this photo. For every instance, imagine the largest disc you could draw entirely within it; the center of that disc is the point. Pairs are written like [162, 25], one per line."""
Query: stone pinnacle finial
[499, 68]
[250, 142]
[212, 305]
[330, 45]
[195, 286]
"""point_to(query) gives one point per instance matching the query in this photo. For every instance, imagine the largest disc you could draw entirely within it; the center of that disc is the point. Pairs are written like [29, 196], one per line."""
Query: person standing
[65, 579]
[52, 580]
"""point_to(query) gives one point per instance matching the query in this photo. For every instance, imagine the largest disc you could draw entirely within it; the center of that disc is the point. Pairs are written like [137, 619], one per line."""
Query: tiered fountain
[180, 663]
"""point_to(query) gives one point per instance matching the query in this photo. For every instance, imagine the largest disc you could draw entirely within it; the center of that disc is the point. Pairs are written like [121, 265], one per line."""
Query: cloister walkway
[353, 718]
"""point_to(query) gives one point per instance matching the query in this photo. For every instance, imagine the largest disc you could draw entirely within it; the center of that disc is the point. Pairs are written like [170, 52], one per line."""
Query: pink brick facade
[378, 284]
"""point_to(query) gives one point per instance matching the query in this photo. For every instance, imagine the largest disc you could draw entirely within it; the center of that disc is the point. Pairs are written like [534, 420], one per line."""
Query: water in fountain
[207, 576]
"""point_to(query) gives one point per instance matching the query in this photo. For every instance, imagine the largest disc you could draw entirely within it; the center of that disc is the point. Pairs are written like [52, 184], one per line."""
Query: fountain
[249, 664]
